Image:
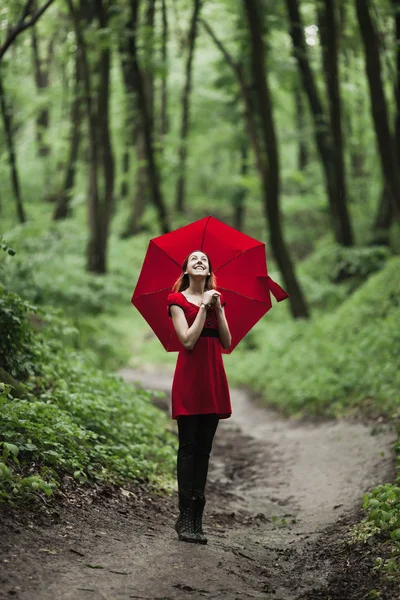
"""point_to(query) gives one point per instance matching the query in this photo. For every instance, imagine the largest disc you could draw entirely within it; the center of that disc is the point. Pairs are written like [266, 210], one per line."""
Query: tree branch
[22, 24]
[238, 71]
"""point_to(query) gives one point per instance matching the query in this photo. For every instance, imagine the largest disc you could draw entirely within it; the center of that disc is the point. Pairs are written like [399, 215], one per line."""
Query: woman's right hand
[210, 297]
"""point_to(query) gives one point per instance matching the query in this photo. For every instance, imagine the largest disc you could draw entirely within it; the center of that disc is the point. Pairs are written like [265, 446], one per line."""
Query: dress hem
[221, 415]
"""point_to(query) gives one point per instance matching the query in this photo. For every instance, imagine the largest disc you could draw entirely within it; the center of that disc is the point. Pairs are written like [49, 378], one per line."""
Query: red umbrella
[239, 265]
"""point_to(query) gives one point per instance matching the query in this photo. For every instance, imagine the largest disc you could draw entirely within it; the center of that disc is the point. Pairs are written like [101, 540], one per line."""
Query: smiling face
[198, 264]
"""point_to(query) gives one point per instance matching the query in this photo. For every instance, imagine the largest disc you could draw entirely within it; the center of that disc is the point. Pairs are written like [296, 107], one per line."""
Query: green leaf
[395, 535]
[11, 448]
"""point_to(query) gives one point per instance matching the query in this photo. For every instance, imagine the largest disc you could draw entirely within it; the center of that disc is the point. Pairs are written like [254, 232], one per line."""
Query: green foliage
[74, 418]
[383, 509]
[338, 263]
[338, 362]
[16, 335]
[6, 248]
[382, 506]
[49, 271]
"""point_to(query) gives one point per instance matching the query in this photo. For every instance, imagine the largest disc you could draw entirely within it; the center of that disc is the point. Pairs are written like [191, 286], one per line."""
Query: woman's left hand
[217, 302]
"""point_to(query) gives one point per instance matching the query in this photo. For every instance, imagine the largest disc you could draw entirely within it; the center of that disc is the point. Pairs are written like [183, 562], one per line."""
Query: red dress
[200, 385]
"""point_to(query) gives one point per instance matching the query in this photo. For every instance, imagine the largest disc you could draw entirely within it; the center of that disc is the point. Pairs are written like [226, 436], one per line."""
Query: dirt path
[279, 495]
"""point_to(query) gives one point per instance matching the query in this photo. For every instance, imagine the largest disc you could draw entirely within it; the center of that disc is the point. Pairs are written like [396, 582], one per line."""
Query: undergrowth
[71, 417]
[337, 363]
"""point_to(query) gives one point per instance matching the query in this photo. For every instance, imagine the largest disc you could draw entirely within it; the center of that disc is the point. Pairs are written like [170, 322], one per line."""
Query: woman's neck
[196, 289]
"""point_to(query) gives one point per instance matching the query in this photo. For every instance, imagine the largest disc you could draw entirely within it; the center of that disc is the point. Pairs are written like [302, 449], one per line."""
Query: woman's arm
[188, 336]
[225, 337]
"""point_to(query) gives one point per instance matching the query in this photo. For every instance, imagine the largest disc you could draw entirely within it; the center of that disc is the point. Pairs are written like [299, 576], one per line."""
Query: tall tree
[241, 190]
[328, 23]
[10, 143]
[385, 210]
[63, 207]
[386, 144]
[136, 77]
[181, 182]
[147, 73]
[96, 80]
[322, 130]
[302, 153]
[42, 72]
[271, 158]
[164, 79]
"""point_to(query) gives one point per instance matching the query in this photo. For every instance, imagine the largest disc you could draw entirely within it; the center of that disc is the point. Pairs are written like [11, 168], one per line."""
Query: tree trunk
[103, 126]
[164, 89]
[387, 148]
[383, 219]
[63, 209]
[241, 193]
[384, 216]
[134, 225]
[337, 205]
[141, 184]
[5, 113]
[125, 171]
[41, 70]
[131, 119]
[152, 168]
[356, 149]
[181, 182]
[329, 38]
[302, 154]
[97, 246]
[271, 183]
[396, 11]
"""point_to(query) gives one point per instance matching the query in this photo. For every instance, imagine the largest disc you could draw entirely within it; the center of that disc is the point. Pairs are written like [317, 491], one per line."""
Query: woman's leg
[207, 426]
[187, 428]
[185, 524]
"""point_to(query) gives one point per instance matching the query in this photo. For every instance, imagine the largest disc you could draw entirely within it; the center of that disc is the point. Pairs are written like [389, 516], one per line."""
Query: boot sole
[185, 539]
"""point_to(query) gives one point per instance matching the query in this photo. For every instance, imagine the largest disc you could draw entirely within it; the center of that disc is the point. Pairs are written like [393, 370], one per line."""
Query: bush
[16, 334]
[335, 363]
[74, 418]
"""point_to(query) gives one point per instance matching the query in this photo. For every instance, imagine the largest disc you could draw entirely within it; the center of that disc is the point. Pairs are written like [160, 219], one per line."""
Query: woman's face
[198, 265]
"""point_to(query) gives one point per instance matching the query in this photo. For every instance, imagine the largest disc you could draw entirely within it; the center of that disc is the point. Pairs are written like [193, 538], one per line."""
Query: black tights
[196, 434]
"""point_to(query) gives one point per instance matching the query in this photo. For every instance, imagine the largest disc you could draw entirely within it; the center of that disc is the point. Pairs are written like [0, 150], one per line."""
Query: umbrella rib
[204, 232]
[241, 295]
[237, 256]
[153, 292]
[166, 254]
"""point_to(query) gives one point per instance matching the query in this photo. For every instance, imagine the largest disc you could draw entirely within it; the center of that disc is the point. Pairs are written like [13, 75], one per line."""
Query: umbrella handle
[276, 289]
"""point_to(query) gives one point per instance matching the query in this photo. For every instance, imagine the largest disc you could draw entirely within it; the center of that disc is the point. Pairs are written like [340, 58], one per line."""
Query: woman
[200, 392]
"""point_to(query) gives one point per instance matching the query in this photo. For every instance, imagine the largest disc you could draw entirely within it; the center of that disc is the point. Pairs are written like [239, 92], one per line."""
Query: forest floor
[280, 497]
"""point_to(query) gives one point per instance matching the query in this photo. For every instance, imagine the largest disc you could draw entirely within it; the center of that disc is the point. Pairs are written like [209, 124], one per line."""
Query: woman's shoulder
[174, 296]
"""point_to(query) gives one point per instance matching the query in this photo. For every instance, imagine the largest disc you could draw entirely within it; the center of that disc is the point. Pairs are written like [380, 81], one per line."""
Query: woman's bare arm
[225, 337]
[188, 336]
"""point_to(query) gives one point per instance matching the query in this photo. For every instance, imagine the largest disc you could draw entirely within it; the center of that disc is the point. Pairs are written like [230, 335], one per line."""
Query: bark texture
[386, 144]
[324, 140]
[271, 180]
[181, 182]
[12, 159]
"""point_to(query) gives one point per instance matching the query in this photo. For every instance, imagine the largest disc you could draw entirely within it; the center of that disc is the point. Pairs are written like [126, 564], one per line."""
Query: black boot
[199, 503]
[184, 525]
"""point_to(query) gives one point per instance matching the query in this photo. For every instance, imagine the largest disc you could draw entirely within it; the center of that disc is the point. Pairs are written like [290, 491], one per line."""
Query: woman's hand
[212, 298]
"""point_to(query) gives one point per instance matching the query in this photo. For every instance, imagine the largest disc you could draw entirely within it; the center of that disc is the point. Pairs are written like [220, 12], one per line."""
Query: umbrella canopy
[238, 263]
